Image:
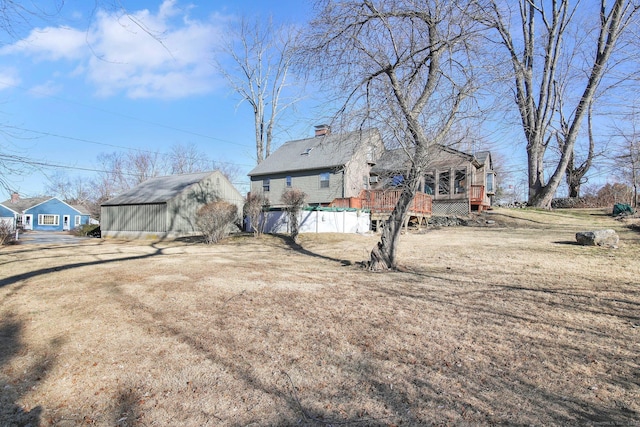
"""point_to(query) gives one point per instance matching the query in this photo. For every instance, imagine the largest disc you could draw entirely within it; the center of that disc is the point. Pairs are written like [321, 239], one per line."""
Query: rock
[607, 238]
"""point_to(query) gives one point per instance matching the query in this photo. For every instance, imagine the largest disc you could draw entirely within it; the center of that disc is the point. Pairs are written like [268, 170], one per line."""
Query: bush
[293, 200]
[7, 234]
[215, 219]
[254, 205]
[87, 230]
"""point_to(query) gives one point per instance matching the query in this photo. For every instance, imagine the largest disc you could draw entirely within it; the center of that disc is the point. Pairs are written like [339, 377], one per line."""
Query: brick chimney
[322, 130]
[15, 197]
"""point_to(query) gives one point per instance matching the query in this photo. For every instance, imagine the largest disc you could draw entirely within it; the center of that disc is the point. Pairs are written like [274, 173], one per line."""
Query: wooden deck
[478, 199]
[382, 202]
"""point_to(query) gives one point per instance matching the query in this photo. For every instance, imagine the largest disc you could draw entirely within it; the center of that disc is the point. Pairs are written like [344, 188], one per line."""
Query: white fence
[327, 220]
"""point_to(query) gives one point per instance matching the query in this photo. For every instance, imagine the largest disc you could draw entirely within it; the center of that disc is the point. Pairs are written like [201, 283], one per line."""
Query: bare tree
[143, 165]
[121, 171]
[537, 40]
[575, 175]
[186, 158]
[12, 163]
[260, 61]
[231, 171]
[402, 64]
[626, 157]
[76, 190]
[254, 209]
[14, 15]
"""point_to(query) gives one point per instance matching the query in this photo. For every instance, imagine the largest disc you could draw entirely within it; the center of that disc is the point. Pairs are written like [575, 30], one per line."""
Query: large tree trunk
[383, 255]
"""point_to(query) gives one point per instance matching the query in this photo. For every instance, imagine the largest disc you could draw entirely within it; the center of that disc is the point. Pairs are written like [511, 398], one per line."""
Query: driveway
[49, 237]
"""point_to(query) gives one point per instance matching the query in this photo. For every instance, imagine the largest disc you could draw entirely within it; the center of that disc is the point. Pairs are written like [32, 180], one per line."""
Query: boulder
[607, 238]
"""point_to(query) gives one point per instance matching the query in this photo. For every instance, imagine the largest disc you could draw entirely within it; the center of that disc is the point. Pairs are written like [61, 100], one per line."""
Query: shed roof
[320, 152]
[158, 190]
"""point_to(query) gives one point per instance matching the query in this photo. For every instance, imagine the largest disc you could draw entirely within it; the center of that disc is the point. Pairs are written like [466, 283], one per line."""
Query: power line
[25, 160]
[88, 141]
[149, 122]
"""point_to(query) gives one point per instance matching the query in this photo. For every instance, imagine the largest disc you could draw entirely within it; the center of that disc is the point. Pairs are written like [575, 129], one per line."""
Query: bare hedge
[215, 219]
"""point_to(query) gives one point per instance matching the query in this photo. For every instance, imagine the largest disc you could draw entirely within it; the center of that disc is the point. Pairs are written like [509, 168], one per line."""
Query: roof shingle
[320, 152]
[157, 190]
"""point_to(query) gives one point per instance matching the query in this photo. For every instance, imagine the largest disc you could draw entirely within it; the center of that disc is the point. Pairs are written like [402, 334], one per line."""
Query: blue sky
[89, 80]
[86, 81]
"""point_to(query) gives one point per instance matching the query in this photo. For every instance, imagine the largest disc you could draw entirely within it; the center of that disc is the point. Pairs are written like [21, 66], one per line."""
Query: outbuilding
[165, 206]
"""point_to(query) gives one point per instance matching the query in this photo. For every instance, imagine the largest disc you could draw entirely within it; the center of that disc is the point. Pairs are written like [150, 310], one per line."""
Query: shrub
[90, 230]
[215, 219]
[293, 200]
[7, 233]
[254, 205]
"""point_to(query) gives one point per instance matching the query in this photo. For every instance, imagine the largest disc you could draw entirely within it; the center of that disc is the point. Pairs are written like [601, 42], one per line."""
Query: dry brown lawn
[511, 324]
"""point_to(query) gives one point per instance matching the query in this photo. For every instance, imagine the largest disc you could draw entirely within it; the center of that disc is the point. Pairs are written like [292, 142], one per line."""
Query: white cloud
[9, 78]
[143, 54]
[50, 43]
[47, 89]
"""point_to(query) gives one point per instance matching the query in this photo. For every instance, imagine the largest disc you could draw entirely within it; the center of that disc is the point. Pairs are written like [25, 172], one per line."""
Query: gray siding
[173, 218]
[307, 181]
[151, 218]
[182, 210]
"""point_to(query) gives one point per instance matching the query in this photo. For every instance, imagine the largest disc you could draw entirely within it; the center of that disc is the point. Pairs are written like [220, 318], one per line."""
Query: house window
[490, 183]
[266, 185]
[444, 178]
[288, 180]
[324, 180]
[460, 181]
[397, 180]
[429, 183]
[44, 219]
[76, 221]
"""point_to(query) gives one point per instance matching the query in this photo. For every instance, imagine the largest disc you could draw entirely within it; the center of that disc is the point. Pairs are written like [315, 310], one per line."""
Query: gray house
[165, 206]
[458, 182]
[326, 167]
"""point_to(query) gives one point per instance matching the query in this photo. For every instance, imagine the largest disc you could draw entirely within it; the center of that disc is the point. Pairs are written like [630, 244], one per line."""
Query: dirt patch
[511, 324]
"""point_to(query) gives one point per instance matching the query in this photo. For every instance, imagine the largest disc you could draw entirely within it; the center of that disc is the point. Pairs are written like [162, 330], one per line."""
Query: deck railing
[378, 201]
[477, 194]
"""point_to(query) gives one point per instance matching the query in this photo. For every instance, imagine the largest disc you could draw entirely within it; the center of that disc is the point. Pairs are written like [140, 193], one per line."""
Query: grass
[510, 324]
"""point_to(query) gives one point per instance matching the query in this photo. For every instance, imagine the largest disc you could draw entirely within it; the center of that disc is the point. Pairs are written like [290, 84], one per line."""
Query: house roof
[396, 160]
[158, 190]
[482, 156]
[22, 205]
[80, 208]
[320, 152]
[391, 161]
